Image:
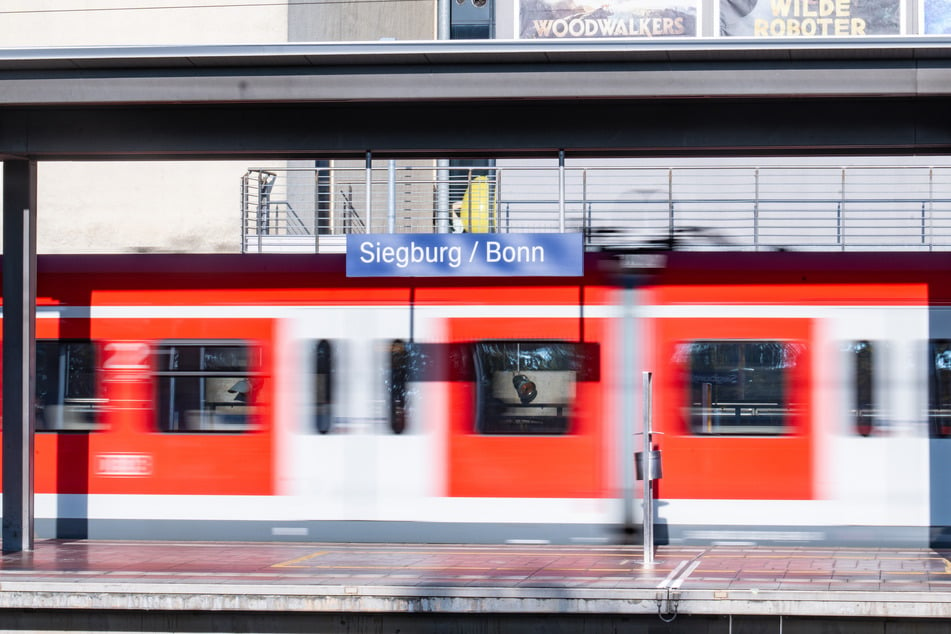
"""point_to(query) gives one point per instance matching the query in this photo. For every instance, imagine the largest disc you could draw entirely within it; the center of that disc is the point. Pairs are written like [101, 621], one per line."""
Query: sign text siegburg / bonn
[464, 254]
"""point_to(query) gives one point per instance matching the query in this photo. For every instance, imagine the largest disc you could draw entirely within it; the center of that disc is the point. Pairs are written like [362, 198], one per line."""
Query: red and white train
[797, 398]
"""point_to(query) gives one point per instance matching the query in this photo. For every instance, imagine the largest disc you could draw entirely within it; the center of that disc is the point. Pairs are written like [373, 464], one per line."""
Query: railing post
[442, 196]
[494, 203]
[332, 218]
[244, 213]
[670, 202]
[930, 208]
[391, 196]
[317, 201]
[561, 191]
[258, 221]
[369, 192]
[842, 213]
[756, 209]
[585, 206]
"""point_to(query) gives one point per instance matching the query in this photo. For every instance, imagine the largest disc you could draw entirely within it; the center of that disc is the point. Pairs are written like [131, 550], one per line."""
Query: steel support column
[19, 351]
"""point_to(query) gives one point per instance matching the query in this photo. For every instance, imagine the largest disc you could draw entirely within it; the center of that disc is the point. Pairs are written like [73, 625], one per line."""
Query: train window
[66, 386]
[412, 363]
[323, 385]
[526, 387]
[207, 386]
[402, 360]
[738, 387]
[939, 387]
[864, 416]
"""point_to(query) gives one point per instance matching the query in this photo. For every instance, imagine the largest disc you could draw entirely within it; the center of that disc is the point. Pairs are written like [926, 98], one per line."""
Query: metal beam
[486, 69]
[19, 351]
[512, 128]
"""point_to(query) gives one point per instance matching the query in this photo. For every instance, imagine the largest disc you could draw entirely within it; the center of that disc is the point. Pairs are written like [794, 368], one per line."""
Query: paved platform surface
[528, 579]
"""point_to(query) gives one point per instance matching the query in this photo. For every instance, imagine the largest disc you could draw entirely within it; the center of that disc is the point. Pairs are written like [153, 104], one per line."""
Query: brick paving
[716, 567]
[284, 577]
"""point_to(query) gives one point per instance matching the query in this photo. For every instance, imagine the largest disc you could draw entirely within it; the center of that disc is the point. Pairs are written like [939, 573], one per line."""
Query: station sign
[465, 255]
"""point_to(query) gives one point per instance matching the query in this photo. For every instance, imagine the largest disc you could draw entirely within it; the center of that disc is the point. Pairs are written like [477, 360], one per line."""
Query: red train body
[797, 398]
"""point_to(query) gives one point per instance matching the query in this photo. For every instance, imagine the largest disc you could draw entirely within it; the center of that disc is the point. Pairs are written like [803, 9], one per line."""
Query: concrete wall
[117, 206]
[160, 206]
[120, 22]
[361, 20]
[174, 206]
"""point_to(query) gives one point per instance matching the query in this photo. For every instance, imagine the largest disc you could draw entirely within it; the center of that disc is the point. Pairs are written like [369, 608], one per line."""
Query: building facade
[200, 206]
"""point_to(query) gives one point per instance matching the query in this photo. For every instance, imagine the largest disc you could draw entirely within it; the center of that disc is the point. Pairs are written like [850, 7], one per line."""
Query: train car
[796, 398]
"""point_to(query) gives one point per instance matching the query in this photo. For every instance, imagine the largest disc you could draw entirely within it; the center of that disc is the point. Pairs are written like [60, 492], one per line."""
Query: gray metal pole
[443, 32]
[19, 351]
[443, 20]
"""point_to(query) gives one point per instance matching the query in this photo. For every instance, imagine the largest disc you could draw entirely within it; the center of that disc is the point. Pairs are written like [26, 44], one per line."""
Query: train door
[733, 404]
[351, 471]
[871, 443]
[526, 442]
[149, 426]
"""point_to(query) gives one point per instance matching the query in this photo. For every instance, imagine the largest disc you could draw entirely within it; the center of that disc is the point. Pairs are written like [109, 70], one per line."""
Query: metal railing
[701, 208]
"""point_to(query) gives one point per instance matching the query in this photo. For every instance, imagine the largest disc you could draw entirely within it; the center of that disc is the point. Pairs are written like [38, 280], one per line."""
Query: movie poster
[936, 17]
[564, 19]
[811, 18]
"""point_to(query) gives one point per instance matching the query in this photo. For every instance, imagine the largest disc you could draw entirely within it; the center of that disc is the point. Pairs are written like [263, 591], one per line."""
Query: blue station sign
[465, 255]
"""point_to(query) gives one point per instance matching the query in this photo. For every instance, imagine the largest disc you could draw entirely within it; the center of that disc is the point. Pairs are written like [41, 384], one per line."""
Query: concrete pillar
[19, 351]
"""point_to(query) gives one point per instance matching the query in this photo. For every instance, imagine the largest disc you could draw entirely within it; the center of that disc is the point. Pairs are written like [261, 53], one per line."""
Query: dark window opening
[864, 415]
[527, 387]
[398, 385]
[66, 386]
[939, 387]
[208, 386]
[472, 20]
[739, 387]
[413, 363]
[323, 386]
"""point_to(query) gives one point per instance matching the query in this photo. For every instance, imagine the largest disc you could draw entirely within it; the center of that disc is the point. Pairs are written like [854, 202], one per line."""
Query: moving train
[795, 398]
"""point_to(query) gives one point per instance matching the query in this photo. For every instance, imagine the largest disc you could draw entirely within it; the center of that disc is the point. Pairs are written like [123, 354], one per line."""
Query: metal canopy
[473, 98]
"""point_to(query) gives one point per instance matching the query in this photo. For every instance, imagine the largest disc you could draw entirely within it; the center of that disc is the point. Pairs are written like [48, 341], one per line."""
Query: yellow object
[477, 209]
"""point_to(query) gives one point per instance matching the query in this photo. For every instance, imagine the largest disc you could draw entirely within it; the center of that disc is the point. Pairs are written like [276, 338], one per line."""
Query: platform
[446, 579]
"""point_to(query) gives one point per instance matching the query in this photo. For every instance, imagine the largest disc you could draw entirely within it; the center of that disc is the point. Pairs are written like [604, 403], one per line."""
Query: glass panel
[939, 392]
[864, 415]
[66, 386]
[323, 386]
[207, 387]
[738, 387]
[525, 387]
[400, 360]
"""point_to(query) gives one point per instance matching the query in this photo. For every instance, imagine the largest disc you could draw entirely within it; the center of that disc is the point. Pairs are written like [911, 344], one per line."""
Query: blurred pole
[19, 351]
[627, 390]
[648, 467]
[634, 270]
